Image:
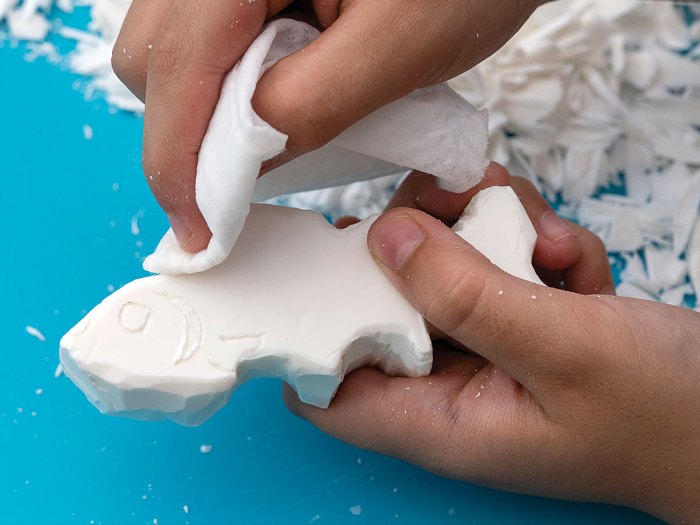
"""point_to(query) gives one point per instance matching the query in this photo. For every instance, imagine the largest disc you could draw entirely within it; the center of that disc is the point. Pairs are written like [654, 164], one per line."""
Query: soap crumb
[186, 509]
[87, 132]
[478, 394]
[39, 391]
[135, 230]
[59, 371]
[205, 449]
[356, 510]
[500, 292]
[533, 296]
[35, 333]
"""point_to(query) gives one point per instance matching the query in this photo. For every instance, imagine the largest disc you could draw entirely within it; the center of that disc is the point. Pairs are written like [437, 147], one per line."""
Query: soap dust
[34, 332]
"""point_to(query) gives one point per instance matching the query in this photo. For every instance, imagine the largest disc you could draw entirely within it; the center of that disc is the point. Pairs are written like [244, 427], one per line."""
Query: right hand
[575, 395]
[174, 54]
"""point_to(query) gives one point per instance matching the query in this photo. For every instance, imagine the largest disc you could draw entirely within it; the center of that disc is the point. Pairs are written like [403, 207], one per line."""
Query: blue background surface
[66, 207]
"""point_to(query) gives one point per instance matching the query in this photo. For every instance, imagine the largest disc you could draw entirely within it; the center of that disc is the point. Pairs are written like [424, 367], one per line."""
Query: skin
[566, 393]
[575, 394]
[173, 54]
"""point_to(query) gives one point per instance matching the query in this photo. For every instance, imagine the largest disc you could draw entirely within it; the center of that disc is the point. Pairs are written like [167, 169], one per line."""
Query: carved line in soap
[129, 322]
[193, 329]
[240, 337]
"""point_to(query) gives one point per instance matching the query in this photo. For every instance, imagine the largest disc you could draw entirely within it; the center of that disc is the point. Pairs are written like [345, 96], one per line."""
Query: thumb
[528, 330]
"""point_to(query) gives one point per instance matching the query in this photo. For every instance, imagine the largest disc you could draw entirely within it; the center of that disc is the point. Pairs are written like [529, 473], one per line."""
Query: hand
[173, 54]
[562, 394]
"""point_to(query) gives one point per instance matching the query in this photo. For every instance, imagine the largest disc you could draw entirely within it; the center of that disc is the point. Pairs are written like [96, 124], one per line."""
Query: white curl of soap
[297, 299]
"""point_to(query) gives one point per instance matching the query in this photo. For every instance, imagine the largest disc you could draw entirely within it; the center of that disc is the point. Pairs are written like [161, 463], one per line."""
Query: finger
[408, 417]
[421, 191]
[131, 49]
[345, 221]
[557, 247]
[591, 273]
[197, 44]
[367, 58]
[528, 330]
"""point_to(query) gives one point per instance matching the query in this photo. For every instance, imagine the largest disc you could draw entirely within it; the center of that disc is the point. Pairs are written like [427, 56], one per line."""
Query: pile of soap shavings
[35, 21]
[587, 91]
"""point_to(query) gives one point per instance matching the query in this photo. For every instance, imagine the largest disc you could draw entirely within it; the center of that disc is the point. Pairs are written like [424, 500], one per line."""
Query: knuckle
[289, 107]
[455, 301]
[167, 55]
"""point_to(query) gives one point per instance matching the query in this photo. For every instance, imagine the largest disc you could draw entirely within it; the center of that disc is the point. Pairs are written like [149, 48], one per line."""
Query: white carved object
[296, 299]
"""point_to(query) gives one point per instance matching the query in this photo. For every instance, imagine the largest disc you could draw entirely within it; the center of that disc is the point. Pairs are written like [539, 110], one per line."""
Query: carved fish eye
[134, 317]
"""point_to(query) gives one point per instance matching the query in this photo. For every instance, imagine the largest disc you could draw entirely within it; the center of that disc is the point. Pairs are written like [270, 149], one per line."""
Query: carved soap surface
[297, 299]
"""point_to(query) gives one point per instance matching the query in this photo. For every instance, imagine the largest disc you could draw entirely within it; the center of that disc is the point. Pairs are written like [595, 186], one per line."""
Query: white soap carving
[497, 225]
[297, 299]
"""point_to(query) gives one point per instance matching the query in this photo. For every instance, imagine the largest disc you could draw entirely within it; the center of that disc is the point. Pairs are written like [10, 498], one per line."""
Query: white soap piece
[297, 299]
[432, 129]
[6, 6]
[26, 25]
[496, 224]
[35, 332]
[693, 256]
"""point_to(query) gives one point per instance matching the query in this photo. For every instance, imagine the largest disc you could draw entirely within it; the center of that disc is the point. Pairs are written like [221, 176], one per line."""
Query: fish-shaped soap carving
[297, 299]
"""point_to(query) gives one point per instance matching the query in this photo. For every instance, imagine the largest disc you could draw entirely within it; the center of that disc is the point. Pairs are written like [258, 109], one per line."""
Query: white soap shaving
[34, 332]
[590, 89]
[586, 90]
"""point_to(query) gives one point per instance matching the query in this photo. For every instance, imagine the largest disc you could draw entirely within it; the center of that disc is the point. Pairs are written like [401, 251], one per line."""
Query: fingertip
[394, 237]
[346, 220]
[192, 236]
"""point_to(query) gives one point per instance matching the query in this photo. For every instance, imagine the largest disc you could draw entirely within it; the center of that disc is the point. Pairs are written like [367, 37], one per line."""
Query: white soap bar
[297, 299]
[432, 129]
[497, 225]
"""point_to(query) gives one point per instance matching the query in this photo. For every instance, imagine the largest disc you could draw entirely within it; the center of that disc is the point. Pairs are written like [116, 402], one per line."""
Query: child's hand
[173, 54]
[586, 397]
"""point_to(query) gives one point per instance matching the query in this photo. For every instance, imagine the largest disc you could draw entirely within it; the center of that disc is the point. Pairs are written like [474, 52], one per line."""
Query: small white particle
[59, 370]
[356, 510]
[186, 509]
[533, 296]
[110, 288]
[87, 132]
[155, 521]
[35, 333]
[150, 46]
[135, 230]
[39, 391]
[478, 394]
[205, 449]
[500, 292]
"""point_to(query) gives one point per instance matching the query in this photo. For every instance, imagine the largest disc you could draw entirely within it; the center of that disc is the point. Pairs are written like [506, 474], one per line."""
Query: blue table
[66, 207]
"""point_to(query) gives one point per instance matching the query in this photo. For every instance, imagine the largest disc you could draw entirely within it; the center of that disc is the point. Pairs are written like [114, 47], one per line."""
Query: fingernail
[394, 240]
[608, 290]
[553, 227]
[183, 233]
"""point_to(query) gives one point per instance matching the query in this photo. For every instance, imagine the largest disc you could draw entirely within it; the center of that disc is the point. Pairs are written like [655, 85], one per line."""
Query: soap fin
[496, 224]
